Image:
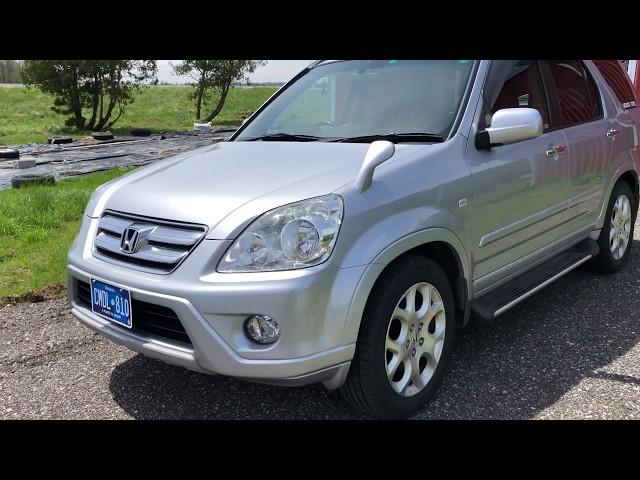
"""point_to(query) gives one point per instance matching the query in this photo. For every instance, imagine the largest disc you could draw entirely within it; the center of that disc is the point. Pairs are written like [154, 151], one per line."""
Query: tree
[214, 79]
[103, 88]
[10, 71]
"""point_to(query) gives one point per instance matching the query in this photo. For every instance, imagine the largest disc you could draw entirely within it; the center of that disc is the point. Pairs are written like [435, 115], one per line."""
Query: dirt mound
[42, 294]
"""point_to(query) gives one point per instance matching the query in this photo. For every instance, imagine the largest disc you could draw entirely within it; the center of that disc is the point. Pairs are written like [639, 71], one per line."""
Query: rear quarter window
[616, 77]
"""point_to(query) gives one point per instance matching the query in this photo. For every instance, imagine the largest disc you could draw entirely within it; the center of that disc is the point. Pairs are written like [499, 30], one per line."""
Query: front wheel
[617, 232]
[405, 342]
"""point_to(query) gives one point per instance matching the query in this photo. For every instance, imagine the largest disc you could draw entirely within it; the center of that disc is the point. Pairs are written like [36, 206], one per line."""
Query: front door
[520, 189]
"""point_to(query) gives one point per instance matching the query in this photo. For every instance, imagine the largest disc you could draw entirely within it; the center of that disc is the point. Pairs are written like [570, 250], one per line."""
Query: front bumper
[311, 306]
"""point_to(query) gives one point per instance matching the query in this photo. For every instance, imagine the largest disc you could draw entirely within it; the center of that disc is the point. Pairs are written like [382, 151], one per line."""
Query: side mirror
[379, 152]
[510, 125]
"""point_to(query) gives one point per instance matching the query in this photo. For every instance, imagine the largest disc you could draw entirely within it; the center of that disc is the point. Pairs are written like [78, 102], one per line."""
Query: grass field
[26, 116]
[37, 226]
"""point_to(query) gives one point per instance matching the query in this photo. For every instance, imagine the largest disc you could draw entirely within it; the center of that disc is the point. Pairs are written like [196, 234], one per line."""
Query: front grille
[147, 317]
[161, 251]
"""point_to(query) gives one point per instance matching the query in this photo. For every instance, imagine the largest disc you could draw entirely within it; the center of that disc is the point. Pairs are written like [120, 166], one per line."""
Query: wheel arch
[438, 244]
[626, 173]
[631, 178]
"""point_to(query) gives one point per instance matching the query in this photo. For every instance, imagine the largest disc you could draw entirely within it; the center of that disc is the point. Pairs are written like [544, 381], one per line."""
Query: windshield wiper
[394, 137]
[285, 137]
[391, 136]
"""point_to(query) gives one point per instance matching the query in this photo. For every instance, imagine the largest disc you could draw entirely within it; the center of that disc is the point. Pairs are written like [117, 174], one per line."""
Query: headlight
[297, 235]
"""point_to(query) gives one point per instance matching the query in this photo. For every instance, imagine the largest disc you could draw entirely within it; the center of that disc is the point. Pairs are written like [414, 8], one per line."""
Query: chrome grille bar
[161, 252]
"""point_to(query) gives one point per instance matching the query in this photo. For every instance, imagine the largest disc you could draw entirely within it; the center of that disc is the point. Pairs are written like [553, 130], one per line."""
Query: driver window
[523, 88]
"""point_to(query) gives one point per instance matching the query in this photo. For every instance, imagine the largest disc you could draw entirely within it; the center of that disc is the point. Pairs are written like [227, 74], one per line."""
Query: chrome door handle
[613, 132]
[555, 150]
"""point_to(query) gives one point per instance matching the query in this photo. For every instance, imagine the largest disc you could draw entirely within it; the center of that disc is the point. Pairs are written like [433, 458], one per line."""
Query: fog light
[262, 329]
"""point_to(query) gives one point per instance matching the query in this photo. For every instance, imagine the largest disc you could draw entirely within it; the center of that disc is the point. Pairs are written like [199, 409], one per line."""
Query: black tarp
[89, 156]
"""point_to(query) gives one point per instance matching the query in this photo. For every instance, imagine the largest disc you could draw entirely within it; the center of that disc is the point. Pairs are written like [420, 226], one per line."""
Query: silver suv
[365, 212]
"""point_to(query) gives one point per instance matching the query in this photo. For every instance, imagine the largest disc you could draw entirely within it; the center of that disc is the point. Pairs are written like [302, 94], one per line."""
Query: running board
[498, 301]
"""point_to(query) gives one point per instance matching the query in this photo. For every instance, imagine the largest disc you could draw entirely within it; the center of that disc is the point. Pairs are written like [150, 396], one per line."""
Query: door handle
[555, 150]
[613, 133]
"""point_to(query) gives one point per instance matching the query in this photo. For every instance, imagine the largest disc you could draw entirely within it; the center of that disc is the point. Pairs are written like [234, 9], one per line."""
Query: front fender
[386, 256]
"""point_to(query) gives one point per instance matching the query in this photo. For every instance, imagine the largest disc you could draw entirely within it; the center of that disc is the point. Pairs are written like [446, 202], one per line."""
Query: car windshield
[362, 99]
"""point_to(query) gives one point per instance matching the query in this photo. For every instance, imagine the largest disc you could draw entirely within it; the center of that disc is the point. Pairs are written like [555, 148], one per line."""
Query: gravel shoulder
[572, 351]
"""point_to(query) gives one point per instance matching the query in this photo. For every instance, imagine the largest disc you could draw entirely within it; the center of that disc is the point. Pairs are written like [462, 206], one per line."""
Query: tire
[609, 260]
[140, 132]
[22, 180]
[102, 135]
[60, 140]
[9, 153]
[367, 385]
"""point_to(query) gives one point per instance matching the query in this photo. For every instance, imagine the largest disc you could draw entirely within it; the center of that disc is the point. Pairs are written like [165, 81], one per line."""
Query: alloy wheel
[620, 227]
[415, 338]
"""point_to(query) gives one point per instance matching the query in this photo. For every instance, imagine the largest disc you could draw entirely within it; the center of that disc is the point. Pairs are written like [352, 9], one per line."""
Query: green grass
[37, 226]
[26, 115]
[38, 223]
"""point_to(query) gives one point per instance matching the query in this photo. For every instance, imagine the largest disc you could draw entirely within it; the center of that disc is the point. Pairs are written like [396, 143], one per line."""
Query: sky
[273, 71]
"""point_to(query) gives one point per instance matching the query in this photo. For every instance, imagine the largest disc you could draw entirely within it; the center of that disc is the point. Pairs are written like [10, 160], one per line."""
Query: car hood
[236, 181]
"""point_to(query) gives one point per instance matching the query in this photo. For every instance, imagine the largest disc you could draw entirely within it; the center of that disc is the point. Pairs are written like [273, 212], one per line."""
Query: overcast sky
[273, 71]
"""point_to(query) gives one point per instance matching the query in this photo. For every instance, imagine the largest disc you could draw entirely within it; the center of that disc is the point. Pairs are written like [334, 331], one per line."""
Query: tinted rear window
[575, 92]
[617, 78]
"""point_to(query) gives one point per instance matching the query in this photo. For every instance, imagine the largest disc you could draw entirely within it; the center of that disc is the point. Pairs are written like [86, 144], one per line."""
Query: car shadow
[511, 368]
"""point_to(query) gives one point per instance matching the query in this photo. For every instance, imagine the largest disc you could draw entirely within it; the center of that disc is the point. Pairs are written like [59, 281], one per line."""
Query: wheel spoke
[401, 384]
[430, 339]
[625, 238]
[411, 300]
[395, 346]
[425, 293]
[402, 314]
[437, 351]
[429, 343]
[393, 365]
[416, 378]
[435, 309]
[440, 328]
[625, 208]
[614, 244]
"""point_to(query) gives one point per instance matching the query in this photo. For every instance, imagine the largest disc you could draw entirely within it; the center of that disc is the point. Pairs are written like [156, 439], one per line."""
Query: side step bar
[498, 301]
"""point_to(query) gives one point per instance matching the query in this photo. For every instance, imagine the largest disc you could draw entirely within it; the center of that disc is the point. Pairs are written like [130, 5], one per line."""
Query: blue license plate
[111, 302]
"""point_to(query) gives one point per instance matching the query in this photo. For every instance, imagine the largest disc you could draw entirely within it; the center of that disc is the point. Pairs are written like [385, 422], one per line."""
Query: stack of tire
[32, 179]
[140, 132]
[102, 136]
[59, 140]
[9, 153]
[27, 179]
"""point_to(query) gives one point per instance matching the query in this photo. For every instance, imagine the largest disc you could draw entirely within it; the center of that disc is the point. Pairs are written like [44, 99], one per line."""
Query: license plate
[111, 302]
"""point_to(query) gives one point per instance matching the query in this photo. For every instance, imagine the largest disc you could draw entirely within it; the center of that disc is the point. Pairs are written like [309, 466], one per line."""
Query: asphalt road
[572, 351]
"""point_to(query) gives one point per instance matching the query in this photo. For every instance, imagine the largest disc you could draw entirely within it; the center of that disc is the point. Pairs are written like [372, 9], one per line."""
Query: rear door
[576, 107]
[622, 113]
